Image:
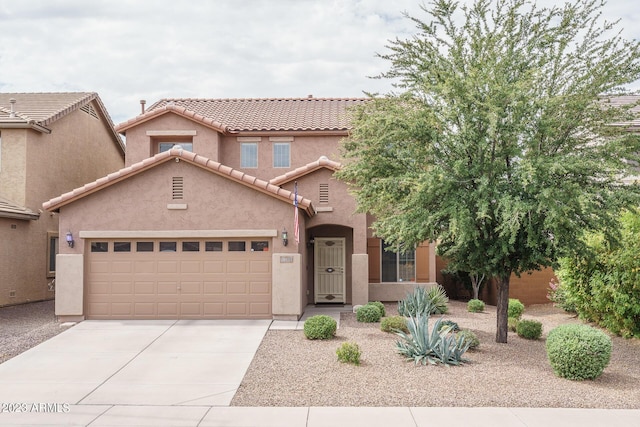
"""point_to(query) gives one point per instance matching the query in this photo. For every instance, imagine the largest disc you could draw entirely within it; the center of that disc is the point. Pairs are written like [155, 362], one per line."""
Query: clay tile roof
[200, 161]
[39, 110]
[9, 209]
[250, 115]
[322, 162]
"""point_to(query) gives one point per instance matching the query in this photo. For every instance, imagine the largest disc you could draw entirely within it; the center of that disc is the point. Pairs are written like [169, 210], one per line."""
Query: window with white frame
[249, 155]
[281, 155]
[397, 266]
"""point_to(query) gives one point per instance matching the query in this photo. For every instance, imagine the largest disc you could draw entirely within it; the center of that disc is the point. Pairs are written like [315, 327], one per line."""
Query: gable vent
[90, 111]
[178, 188]
[324, 194]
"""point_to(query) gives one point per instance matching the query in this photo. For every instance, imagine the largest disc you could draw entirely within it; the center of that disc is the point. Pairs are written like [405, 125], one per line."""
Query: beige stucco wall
[35, 168]
[286, 270]
[304, 149]
[69, 289]
[391, 292]
[13, 166]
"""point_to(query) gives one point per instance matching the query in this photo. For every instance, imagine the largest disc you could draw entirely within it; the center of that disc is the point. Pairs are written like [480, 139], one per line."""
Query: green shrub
[560, 296]
[603, 287]
[368, 314]
[435, 346]
[380, 306]
[512, 324]
[529, 329]
[475, 306]
[453, 326]
[393, 324]
[578, 352]
[320, 327]
[470, 338]
[515, 309]
[423, 302]
[349, 352]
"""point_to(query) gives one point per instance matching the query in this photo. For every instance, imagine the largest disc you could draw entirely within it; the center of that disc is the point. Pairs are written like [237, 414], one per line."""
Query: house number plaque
[286, 259]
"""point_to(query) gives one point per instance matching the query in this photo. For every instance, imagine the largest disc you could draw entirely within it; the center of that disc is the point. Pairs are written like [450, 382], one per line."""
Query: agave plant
[423, 302]
[435, 346]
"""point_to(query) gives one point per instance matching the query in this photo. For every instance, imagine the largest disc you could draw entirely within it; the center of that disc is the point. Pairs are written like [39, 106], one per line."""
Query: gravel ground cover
[289, 370]
[25, 326]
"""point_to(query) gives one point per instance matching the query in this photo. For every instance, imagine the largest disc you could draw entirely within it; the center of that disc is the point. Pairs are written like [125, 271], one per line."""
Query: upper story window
[164, 140]
[166, 146]
[248, 155]
[281, 155]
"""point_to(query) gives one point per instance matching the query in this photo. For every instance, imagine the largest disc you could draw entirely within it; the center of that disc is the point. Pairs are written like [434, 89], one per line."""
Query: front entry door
[329, 277]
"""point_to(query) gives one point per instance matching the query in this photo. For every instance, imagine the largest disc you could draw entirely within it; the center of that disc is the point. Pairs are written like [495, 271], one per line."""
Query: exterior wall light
[70, 241]
[285, 237]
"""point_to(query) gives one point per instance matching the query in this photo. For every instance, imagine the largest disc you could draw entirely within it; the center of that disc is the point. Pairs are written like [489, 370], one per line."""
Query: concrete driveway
[169, 363]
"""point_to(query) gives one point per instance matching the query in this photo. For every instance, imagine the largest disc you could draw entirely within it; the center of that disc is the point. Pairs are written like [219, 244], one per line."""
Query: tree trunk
[502, 309]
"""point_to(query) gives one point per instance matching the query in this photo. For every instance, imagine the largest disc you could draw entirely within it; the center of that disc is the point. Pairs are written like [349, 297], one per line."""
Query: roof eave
[20, 215]
[14, 124]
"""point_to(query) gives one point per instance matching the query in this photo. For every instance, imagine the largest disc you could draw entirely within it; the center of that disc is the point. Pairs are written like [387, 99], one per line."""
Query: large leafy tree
[498, 143]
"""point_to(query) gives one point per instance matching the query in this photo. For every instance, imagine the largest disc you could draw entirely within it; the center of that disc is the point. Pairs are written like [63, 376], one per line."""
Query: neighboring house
[50, 143]
[194, 226]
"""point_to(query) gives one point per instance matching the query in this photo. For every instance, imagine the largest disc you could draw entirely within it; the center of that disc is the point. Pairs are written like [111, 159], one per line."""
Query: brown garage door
[178, 279]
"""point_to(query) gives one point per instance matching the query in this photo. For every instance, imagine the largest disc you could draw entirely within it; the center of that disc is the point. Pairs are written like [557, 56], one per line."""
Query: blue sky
[127, 50]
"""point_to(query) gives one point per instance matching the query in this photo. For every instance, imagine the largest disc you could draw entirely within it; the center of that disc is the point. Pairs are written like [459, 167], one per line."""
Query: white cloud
[129, 50]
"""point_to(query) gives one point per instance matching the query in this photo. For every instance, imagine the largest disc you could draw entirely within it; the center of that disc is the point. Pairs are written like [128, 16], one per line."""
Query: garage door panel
[167, 309]
[260, 266]
[122, 267]
[100, 288]
[145, 267]
[191, 288]
[213, 266]
[99, 267]
[237, 288]
[260, 309]
[263, 288]
[237, 267]
[145, 308]
[167, 267]
[171, 285]
[167, 288]
[122, 309]
[125, 288]
[214, 309]
[237, 309]
[191, 267]
[144, 288]
[214, 288]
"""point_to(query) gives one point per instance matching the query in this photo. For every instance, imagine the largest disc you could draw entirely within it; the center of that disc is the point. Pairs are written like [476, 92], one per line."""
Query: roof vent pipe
[12, 101]
[142, 102]
[309, 96]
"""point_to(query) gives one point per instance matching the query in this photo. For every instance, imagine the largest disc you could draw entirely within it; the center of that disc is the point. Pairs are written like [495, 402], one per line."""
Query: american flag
[296, 226]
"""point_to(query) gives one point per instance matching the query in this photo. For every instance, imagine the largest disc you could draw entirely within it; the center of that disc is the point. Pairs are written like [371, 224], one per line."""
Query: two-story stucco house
[49, 143]
[200, 223]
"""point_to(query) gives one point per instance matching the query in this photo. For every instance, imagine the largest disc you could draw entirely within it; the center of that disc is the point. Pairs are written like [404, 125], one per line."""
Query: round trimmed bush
[529, 329]
[368, 314]
[469, 336]
[578, 352]
[475, 306]
[320, 327]
[349, 352]
[380, 306]
[394, 324]
[515, 309]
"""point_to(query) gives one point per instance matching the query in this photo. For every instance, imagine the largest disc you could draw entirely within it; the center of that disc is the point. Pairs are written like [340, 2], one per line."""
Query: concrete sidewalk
[208, 416]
